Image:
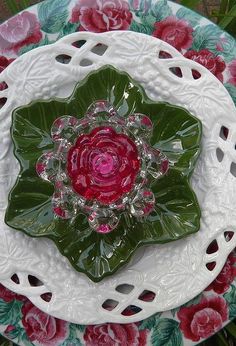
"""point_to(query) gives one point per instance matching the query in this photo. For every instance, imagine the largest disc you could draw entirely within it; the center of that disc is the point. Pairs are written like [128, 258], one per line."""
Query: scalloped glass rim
[182, 158]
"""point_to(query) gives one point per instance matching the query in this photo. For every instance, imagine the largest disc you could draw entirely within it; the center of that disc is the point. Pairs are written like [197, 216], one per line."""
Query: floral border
[197, 39]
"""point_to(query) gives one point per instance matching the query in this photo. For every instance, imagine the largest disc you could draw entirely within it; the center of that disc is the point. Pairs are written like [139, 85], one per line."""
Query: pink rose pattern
[204, 319]
[19, 31]
[42, 328]
[102, 15]
[213, 63]
[232, 70]
[197, 321]
[176, 32]
[111, 334]
[227, 275]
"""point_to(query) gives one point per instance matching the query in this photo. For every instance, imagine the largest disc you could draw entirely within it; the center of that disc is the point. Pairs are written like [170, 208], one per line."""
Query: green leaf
[5, 342]
[68, 28]
[192, 4]
[45, 41]
[53, 15]
[176, 136]
[176, 213]
[150, 323]
[230, 297]
[231, 329]
[160, 10]
[192, 17]
[227, 19]
[142, 28]
[10, 313]
[18, 335]
[206, 36]
[167, 333]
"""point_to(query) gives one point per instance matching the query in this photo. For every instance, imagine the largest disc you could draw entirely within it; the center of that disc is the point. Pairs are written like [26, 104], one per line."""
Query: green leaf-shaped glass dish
[141, 152]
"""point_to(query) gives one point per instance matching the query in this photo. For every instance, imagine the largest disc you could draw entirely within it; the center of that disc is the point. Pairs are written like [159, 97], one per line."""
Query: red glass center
[103, 165]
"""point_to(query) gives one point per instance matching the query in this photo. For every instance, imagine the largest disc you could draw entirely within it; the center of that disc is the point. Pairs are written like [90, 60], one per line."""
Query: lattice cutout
[63, 58]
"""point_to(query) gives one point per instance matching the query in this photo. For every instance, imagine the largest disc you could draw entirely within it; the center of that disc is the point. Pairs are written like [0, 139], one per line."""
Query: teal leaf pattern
[226, 47]
[167, 333]
[141, 28]
[150, 322]
[53, 15]
[68, 28]
[160, 10]
[192, 17]
[10, 313]
[230, 297]
[206, 37]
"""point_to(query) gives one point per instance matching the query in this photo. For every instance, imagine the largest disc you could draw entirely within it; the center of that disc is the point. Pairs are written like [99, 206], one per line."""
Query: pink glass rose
[102, 15]
[176, 32]
[19, 31]
[103, 165]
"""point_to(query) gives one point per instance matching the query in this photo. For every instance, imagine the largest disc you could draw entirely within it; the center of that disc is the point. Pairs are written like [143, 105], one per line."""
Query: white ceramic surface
[175, 272]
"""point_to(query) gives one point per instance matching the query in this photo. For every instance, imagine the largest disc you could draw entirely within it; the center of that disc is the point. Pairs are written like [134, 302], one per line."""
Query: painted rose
[232, 70]
[204, 319]
[102, 15]
[19, 31]
[4, 62]
[112, 334]
[213, 63]
[42, 329]
[222, 282]
[176, 32]
[8, 296]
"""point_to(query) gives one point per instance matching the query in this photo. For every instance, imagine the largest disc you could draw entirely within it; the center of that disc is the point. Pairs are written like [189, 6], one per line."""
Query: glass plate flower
[104, 172]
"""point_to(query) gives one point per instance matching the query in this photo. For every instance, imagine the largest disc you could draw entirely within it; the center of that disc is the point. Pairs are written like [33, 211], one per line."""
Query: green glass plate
[176, 215]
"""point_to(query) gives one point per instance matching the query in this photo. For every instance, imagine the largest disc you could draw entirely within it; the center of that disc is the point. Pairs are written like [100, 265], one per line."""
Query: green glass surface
[176, 214]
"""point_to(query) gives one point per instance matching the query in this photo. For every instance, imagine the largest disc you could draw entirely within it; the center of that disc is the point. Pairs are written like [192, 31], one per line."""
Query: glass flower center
[103, 165]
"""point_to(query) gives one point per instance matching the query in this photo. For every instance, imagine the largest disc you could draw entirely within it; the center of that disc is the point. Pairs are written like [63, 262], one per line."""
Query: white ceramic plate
[175, 272]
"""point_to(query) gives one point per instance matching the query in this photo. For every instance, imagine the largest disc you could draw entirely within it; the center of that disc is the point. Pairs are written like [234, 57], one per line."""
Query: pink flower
[103, 165]
[176, 32]
[4, 62]
[204, 319]
[102, 15]
[41, 328]
[111, 334]
[222, 283]
[232, 70]
[213, 63]
[19, 31]
[8, 296]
